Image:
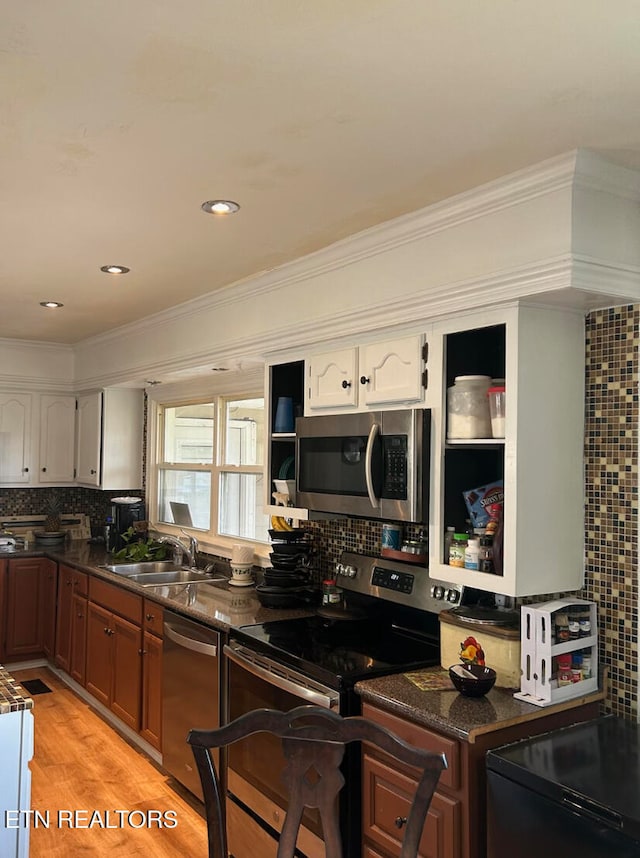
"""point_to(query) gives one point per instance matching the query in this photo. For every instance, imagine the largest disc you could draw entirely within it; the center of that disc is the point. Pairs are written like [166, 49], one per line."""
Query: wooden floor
[81, 764]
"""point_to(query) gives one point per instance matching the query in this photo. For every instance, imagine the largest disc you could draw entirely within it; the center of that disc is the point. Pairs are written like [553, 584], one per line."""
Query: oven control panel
[390, 580]
[396, 582]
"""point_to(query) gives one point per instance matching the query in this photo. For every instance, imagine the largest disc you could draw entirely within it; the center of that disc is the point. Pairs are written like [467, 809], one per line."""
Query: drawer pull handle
[399, 821]
[346, 384]
[150, 617]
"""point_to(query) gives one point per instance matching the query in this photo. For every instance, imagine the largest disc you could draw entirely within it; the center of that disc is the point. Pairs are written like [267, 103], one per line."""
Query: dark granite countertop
[12, 697]
[445, 710]
[218, 604]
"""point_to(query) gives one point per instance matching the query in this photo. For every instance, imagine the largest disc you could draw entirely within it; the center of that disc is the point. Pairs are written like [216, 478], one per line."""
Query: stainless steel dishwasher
[190, 693]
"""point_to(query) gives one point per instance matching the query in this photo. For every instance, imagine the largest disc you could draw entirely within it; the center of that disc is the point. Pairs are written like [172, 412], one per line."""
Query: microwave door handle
[375, 502]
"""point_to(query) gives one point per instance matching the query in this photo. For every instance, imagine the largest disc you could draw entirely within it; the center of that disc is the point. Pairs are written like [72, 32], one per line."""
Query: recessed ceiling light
[52, 305]
[115, 269]
[220, 207]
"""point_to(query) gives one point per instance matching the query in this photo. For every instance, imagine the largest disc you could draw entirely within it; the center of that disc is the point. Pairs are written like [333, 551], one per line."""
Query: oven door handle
[375, 503]
[190, 643]
[327, 701]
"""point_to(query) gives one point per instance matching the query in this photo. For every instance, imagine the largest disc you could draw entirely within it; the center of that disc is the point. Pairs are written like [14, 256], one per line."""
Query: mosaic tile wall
[92, 502]
[611, 507]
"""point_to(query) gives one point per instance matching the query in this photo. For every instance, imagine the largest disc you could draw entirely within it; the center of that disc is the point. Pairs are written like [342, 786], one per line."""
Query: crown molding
[578, 282]
[35, 384]
[596, 173]
[601, 276]
[511, 190]
[40, 345]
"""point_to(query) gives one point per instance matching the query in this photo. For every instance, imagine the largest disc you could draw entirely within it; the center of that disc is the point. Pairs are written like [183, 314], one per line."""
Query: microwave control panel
[394, 478]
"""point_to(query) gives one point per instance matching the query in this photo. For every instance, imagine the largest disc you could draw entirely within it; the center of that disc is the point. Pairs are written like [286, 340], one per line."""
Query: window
[209, 471]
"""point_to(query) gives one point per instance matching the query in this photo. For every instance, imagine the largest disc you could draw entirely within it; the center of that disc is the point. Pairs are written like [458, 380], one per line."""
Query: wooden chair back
[313, 742]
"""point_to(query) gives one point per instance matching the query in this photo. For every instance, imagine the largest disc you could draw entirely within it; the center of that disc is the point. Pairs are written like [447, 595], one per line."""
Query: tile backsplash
[92, 502]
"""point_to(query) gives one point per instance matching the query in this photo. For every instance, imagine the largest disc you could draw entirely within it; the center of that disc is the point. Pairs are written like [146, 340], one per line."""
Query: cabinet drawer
[80, 583]
[387, 797]
[118, 600]
[419, 736]
[152, 617]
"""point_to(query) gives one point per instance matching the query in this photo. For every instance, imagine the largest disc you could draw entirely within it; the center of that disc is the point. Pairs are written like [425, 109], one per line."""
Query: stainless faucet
[180, 551]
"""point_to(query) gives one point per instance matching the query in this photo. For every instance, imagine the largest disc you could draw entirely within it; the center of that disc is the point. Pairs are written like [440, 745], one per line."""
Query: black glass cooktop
[343, 652]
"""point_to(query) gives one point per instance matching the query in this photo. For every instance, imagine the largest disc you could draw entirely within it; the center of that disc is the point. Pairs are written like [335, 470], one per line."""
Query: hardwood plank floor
[81, 764]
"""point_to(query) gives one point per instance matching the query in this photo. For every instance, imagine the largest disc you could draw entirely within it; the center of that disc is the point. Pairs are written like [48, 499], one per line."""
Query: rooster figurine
[471, 652]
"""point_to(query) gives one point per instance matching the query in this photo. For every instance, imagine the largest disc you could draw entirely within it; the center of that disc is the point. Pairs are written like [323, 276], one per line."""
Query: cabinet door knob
[364, 379]
[44, 470]
[346, 384]
[92, 471]
[106, 630]
[150, 617]
[26, 470]
[399, 821]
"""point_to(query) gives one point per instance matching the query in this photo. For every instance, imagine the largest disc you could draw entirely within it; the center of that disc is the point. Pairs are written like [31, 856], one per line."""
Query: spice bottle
[564, 669]
[448, 539]
[584, 623]
[485, 558]
[472, 553]
[561, 626]
[458, 546]
[574, 624]
[331, 594]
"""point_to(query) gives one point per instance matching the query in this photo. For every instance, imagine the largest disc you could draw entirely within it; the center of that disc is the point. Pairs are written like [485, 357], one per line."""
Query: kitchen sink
[155, 573]
[172, 576]
[146, 567]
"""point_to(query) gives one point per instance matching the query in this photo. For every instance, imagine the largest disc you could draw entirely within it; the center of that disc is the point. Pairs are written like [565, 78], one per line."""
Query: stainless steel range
[389, 625]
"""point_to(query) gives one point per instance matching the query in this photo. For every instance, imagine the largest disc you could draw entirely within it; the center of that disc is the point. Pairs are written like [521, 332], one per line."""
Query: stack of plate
[289, 574]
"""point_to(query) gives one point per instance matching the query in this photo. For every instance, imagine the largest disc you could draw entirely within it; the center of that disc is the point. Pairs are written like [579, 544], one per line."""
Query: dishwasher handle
[190, 643]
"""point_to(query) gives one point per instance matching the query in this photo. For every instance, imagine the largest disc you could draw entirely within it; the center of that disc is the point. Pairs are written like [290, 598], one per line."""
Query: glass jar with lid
[468, 407]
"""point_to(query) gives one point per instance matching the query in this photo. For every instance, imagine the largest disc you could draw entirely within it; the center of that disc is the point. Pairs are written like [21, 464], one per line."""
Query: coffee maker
[124, 512]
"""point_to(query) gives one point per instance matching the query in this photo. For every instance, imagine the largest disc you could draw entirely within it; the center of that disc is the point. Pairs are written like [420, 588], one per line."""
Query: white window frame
[210, 541]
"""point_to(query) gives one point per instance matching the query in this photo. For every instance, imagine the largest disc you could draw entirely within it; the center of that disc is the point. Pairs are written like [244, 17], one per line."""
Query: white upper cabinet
[109, 435]
[384, 373]
[332, 379]
[89, 439]
[57, 437]
[15, 438]
[391, 371]
[540, 354]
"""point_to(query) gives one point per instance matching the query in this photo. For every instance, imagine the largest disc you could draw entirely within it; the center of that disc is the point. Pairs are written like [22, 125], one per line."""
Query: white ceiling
[118, 119]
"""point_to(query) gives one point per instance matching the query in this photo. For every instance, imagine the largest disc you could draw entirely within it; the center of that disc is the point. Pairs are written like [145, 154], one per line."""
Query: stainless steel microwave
[366, 465]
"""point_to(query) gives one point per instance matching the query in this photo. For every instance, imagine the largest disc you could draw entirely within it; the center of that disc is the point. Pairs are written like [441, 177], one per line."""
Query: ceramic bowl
[472, 680]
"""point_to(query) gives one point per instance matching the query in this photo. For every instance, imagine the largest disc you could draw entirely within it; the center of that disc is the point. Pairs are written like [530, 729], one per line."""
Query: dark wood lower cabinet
[456, 821]
[151, 726]
[29, 610]
[113, 664]
[71, 583]
[78, 648]
[153, 630]
[48, 603]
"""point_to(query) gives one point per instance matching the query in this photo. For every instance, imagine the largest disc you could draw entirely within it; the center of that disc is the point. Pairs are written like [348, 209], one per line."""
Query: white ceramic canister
[468, 407]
